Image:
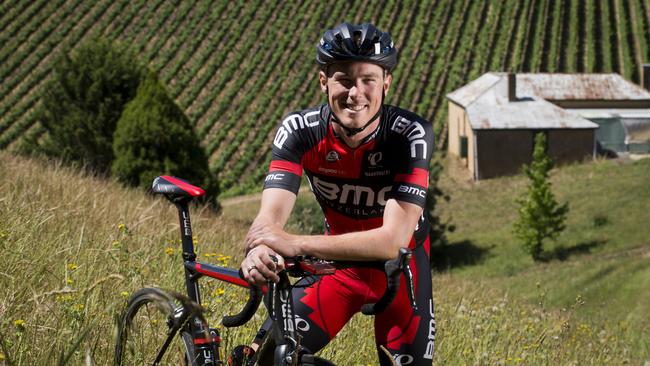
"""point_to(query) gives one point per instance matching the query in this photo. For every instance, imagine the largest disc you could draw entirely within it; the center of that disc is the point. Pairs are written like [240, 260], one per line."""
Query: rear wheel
[145, 325]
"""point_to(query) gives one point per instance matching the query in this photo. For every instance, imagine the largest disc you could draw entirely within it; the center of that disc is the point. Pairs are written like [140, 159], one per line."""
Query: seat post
[188, 249]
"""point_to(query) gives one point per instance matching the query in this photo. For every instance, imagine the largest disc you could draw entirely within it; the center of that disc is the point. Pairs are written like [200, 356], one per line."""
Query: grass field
[74, 247]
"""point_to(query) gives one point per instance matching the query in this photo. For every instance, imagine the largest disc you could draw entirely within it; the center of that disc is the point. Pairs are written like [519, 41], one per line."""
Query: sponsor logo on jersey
[414, 132]
[351, 194]
[377, 173]
[428, 354]
[293, 123]
[332, 156]
[412, 190]
[274, 177]
[403, 359]
[375, 158]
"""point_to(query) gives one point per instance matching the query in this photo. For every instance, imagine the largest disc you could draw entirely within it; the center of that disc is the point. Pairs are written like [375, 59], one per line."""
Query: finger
[280, 264]
[256, 277]
[264, 270]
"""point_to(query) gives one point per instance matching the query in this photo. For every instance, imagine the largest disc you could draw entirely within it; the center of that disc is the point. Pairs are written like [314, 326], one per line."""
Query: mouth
[354, 108]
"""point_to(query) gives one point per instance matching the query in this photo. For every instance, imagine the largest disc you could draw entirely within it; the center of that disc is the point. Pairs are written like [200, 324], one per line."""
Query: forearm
[375, 244]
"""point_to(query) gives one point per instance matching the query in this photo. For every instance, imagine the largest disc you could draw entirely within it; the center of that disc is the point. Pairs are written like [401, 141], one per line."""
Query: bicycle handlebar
[392, 268]
[254, 299]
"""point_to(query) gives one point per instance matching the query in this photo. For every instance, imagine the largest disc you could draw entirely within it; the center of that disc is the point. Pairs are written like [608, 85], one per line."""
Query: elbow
[394, 242]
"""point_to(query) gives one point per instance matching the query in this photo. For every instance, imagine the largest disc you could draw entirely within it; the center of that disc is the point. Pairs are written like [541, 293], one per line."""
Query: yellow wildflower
[220, 292]
[116, 243]
[124, 293]
[72, 266]
[169, 251]
[19, 324]
[69, 281]
[121, 227]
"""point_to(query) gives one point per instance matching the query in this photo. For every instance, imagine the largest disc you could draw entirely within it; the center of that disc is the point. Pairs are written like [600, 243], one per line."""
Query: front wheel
[150, 317]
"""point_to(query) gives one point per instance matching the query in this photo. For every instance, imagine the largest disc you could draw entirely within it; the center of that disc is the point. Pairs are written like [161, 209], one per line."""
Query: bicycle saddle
[169, 185]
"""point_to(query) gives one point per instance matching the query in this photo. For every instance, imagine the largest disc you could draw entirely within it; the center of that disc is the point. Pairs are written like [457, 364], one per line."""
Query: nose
[354, 91]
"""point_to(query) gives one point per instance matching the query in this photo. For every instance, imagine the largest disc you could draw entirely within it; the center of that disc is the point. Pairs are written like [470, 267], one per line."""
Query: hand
[273, 237]
[259, 266]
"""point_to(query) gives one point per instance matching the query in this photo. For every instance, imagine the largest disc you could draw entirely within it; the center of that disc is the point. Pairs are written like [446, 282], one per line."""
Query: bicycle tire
[143, 328]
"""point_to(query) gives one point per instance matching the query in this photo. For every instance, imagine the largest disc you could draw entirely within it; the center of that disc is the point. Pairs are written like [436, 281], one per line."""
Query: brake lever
[408, 274]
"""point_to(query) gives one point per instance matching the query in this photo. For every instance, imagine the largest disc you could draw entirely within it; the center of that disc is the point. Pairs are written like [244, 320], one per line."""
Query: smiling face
[355, 91]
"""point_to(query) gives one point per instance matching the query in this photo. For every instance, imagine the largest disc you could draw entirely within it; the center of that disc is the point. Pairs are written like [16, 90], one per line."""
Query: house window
[463, 146]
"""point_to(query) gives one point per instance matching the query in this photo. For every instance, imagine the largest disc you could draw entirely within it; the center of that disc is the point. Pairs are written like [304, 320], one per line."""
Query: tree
[81, 105]
[154, 137]
[540, 216]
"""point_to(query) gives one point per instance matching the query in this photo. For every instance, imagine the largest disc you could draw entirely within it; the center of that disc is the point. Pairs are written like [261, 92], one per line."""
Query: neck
[355, 140]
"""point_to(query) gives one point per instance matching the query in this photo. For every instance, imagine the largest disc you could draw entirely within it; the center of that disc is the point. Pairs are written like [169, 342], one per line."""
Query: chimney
[645, 77]
[512, 87]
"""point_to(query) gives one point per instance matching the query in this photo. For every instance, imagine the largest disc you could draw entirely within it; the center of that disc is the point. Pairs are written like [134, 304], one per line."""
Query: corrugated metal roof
[486, 102]
[470, 92]
[580, 87]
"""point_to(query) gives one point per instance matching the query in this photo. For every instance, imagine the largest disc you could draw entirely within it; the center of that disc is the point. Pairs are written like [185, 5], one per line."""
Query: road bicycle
[160, 327]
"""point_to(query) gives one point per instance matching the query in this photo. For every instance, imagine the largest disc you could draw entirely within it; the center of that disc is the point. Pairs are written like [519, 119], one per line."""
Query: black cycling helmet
[349, 42]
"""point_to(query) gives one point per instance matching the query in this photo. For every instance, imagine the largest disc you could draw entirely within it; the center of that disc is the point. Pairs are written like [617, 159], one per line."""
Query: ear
[322, 81]
[387, 81]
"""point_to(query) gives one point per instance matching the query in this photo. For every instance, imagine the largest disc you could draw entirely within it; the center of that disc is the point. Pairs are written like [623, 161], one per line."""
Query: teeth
[355, 107]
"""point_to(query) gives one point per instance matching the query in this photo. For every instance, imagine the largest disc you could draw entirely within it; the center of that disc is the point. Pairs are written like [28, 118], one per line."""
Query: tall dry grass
[74, 247]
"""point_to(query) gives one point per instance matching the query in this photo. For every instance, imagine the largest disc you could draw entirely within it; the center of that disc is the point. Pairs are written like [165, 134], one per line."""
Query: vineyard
[237, 67]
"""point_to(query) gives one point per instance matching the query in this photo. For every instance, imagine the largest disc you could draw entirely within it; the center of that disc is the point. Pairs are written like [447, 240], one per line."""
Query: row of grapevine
[28, 61]
[221, 86]
[237, 67]
[183, 51]
[22, 101]
[228, 90]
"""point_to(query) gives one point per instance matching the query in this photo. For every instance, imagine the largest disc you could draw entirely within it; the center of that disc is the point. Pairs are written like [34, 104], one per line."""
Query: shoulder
[306, 124]
[408, 124]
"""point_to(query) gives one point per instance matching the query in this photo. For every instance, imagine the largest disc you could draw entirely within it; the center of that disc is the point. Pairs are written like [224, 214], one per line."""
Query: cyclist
[367, 164]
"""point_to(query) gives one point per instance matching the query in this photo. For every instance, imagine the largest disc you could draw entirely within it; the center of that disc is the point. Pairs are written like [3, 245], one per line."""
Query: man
[367, 164]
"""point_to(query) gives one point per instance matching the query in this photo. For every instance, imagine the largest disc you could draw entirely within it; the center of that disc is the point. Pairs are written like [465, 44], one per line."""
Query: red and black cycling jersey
[352, 185]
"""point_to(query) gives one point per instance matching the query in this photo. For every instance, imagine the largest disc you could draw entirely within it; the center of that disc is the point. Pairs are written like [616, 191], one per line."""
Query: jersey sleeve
[285, 170]
[414, 155]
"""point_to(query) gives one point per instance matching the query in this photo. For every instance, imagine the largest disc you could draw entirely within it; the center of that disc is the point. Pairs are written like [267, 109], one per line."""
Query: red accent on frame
[206, 340]
[419, 176]
[234, 280]
[286, 166]
[194, 191]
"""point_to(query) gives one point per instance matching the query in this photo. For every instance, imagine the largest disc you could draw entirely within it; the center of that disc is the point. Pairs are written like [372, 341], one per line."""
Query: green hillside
[602, 258]
[74, 247]
[237, 67]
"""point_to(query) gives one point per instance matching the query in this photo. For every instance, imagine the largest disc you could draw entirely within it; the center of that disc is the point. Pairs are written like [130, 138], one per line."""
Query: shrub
[154, 137]
[540, 216]
[81, 105]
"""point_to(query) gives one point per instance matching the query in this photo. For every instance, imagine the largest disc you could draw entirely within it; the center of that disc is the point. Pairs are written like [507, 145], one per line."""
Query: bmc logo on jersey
[412, 190]
[293, 123]
[414, 132]
[274, 176]
[348, 192]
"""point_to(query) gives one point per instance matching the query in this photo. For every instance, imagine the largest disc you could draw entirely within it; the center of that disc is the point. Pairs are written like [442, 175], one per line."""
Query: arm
[382, 243]
[274, 212]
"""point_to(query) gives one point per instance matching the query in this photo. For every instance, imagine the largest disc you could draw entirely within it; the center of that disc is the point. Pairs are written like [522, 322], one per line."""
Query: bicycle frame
[278, 301]
[205, 352]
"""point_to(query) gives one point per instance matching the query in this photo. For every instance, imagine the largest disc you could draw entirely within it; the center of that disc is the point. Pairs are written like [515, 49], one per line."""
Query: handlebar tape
[254, 299]
[393, 270]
